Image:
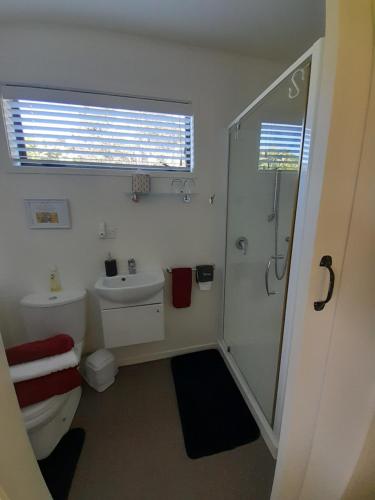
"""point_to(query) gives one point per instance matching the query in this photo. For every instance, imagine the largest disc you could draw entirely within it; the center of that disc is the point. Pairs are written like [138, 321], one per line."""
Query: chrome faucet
[132, 268]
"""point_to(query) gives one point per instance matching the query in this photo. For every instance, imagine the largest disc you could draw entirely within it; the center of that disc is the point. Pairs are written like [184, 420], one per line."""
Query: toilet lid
[51, 299]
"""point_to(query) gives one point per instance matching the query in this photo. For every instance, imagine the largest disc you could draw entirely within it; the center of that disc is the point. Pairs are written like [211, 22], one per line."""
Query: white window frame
[91, 98]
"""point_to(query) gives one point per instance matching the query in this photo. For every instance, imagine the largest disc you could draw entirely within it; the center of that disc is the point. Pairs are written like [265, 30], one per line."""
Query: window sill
[99, 172]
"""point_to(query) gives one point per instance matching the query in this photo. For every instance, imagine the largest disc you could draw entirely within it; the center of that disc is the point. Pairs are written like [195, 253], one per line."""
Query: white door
[329, 395]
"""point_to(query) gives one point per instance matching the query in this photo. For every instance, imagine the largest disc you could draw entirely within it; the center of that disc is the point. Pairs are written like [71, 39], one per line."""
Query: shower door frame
[309, 191]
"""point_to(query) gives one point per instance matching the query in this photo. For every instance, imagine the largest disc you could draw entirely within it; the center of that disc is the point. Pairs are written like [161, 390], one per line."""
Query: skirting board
[123, 360]
[265, 429]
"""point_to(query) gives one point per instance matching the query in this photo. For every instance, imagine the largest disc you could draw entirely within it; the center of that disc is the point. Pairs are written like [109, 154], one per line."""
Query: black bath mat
[59, 467]
[213, 414]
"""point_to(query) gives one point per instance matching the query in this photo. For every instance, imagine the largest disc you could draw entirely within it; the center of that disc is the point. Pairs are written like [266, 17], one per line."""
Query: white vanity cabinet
[125, 325]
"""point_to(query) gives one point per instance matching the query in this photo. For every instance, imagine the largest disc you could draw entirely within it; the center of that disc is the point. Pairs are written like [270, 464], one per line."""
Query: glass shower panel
[264, 163]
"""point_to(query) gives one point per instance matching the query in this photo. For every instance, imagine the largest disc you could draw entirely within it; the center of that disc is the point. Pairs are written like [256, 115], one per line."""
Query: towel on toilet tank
[30, 351]
[181, 286]
[39, 389]
[44, 366]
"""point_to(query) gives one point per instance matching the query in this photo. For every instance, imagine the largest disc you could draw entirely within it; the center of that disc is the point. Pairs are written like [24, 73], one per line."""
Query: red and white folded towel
[42, 369]
[57, 344]
[42, 357]
[33, 391]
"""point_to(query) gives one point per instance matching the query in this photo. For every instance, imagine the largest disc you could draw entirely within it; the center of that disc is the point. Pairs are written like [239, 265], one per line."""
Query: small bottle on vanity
[110, 266]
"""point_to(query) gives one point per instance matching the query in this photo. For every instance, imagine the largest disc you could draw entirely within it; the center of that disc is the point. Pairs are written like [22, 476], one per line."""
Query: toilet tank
[46, 314]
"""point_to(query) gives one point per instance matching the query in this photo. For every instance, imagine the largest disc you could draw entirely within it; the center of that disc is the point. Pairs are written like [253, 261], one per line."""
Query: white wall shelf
[183, 187]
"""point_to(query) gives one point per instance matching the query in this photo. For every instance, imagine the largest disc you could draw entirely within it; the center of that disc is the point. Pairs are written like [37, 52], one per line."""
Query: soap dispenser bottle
[54, 280]
[110, 266]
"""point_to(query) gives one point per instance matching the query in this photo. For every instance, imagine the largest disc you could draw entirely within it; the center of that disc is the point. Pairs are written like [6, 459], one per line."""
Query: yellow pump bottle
[54, 280]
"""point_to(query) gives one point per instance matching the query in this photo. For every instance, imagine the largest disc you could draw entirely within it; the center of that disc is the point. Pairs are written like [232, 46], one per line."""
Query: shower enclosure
[268, 161]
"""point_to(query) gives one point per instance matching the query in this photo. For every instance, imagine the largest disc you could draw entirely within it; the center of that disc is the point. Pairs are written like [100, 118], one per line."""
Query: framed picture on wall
[48, 214]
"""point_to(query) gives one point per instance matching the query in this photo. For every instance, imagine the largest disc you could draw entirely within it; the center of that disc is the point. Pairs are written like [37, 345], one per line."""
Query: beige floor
[134, 448]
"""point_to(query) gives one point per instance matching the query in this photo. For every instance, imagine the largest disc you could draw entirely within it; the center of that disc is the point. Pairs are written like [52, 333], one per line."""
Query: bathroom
[186, 220]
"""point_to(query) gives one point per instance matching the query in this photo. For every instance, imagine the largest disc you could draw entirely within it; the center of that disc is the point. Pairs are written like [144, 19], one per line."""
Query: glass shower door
[264, 163]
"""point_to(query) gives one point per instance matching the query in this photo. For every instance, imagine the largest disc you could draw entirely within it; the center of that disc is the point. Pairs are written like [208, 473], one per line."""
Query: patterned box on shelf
[141, 183]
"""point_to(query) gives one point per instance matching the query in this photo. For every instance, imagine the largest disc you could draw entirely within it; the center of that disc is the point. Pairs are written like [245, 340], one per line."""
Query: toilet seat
[41, 413]
[44, 411]
[46, 422]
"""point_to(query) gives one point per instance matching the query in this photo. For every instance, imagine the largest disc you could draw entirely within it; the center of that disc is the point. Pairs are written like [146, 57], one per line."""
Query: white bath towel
[44, 366]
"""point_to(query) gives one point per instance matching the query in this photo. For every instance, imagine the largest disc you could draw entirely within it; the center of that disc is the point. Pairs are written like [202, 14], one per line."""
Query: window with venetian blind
[62, 129]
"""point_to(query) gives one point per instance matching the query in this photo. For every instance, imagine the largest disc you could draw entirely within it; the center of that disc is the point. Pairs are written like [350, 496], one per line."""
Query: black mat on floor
[214, 416]
[59, 467]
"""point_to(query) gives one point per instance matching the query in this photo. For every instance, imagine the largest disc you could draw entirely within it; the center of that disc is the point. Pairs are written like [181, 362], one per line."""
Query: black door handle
[326, 261]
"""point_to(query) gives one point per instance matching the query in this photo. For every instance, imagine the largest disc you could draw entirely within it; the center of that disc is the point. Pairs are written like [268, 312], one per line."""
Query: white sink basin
[125, 288]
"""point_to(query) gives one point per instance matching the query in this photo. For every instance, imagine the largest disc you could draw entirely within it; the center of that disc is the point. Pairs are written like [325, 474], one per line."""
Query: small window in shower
[280, 146]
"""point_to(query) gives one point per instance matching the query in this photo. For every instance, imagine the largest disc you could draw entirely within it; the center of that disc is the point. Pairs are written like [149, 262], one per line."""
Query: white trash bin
[100, 369]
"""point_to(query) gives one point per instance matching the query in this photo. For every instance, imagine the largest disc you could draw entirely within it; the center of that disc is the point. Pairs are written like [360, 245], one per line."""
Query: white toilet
[44, 315]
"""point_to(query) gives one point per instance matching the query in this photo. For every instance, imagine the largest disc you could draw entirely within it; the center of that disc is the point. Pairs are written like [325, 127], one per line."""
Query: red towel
[181, 286]
[38, 389]
[58, 344]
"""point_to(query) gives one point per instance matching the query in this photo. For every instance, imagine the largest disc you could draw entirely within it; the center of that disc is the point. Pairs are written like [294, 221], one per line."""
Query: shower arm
[275, 215]
[275, 190]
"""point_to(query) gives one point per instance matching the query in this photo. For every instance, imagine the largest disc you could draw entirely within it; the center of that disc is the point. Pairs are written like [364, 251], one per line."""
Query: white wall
[160, 230]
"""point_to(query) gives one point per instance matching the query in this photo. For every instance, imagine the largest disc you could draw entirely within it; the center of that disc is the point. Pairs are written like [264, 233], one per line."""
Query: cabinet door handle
[326, 261]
